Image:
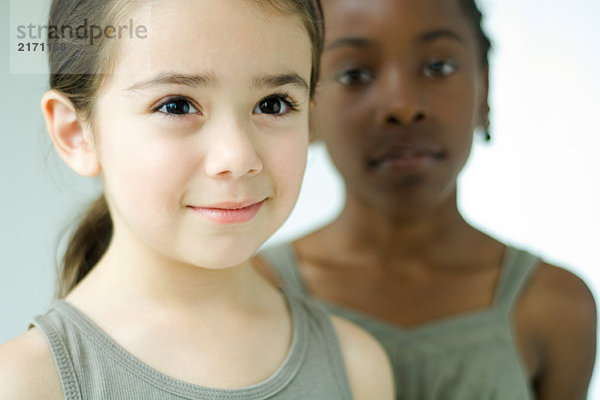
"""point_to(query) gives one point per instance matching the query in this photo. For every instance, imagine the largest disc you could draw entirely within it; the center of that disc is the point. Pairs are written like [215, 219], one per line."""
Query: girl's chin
[218, 262]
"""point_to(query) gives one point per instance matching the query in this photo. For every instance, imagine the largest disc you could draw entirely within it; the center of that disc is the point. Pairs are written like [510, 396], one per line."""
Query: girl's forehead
[215, 38]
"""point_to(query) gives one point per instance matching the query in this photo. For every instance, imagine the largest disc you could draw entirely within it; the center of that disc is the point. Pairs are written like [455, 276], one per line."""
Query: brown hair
[78, 70]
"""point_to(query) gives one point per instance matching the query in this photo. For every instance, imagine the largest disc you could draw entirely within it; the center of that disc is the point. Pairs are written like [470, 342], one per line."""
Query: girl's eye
[275, 105]
[355, 77]
[177, 106]
[439, 69]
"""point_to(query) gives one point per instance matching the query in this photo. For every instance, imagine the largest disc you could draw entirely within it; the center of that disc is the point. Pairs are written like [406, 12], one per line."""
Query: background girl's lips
[229, 212]
[408, 157]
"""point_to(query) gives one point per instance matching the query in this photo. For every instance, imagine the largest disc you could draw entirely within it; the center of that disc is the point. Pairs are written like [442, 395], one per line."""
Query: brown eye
[439, 68]
[274, 105]
[355, 77]
[177, 106]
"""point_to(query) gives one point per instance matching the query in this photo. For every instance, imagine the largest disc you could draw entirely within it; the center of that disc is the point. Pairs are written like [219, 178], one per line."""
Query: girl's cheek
[141, 168]
[290, 162]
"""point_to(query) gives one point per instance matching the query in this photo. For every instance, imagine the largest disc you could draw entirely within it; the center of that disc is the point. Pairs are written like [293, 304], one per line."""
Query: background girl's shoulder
[27, 369]
[558, 313]
[557, 294]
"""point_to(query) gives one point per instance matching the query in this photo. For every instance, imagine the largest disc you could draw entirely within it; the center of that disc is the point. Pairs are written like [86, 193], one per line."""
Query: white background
[537, 185]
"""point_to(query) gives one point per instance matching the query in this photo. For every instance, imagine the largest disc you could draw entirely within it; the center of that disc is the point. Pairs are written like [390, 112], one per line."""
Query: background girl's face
[402, 90]
[210, 111]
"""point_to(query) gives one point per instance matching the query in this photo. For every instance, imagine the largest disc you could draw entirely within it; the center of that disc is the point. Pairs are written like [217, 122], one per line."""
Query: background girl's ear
[71, 136]
[483, 97]
[313, 134]
[484, 111]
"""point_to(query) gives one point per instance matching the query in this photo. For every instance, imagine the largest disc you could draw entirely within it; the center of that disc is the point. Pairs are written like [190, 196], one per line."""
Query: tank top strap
[314, 314]
[517, 268]
[66, 371]
[284, 262]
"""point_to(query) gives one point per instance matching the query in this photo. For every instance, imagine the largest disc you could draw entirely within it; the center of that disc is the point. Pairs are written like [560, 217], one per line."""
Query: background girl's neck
[439, 233]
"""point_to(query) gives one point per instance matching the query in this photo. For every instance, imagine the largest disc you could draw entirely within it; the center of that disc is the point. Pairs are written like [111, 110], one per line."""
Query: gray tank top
[92, 366]
[472, 356]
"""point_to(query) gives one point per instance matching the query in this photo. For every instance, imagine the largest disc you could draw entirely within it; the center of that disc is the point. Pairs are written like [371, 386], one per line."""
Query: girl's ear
[71, 136]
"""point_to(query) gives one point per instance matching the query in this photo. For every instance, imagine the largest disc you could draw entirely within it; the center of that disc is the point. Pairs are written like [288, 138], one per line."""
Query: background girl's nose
[402, 101]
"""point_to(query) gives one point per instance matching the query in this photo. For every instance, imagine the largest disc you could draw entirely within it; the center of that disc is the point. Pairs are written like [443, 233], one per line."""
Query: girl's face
[202, 130]
[402, 90]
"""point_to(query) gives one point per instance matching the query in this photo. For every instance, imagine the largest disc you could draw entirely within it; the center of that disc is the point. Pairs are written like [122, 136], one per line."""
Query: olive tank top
[472, 356]
[92, 366]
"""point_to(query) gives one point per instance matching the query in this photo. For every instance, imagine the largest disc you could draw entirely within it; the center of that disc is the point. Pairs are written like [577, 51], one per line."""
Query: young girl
[198, 131]
[462, 316]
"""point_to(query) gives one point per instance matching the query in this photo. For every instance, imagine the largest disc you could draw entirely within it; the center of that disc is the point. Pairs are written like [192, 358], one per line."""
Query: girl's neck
[131, 274]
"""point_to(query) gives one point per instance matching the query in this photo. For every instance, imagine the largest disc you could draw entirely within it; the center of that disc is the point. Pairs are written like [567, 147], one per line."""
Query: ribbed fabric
[472, 356]
[92, 366]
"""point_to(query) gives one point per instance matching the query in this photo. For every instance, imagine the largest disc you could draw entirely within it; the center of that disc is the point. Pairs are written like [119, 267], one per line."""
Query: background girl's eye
[274, 105]
[355, 77]
[177, 107]
[440, 69]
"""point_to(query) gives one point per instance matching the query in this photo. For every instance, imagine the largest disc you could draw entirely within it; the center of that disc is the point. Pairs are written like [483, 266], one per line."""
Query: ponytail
[86, 246]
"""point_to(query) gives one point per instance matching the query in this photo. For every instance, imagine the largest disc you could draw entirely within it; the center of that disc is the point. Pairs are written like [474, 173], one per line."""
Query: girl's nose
[231, 152]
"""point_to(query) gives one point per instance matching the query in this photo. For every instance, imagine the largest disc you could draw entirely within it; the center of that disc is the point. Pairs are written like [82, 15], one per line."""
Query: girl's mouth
[229, 212]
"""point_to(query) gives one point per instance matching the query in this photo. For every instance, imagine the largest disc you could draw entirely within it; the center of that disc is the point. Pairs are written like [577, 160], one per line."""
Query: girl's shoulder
[368, 369]
[367, 365]
[27, 369]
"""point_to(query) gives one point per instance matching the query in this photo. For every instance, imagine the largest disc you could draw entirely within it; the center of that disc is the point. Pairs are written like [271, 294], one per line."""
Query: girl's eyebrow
[168, 78]
[276, 80]
[210, 79]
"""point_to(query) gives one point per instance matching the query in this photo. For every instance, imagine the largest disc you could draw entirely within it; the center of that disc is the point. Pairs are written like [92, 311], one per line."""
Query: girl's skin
[173, 134]
[403, 88]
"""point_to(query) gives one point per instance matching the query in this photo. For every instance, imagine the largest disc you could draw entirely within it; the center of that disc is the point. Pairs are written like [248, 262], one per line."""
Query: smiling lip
[229, 213]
